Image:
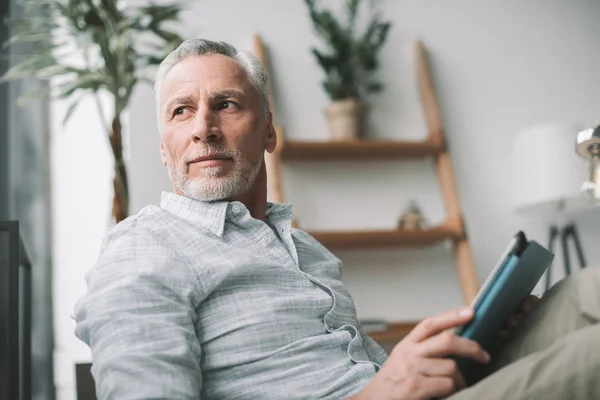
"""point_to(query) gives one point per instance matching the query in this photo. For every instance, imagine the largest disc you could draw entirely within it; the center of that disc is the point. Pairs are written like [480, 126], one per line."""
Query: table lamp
[547, 180]
[588, 147]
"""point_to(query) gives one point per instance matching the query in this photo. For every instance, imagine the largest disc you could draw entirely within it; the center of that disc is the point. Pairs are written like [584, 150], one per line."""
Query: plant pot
[346, 119]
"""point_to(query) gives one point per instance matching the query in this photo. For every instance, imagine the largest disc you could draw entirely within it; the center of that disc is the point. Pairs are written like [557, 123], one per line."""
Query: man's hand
[419, 367]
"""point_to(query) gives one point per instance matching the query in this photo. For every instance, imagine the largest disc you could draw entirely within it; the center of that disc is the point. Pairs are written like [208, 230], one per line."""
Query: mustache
[210, 151]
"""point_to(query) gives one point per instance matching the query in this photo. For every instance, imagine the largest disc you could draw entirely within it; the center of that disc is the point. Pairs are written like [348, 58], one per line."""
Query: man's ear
[163, 154]
[271, 134]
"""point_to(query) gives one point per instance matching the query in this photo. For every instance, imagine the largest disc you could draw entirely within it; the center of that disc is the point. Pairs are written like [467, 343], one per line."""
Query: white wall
[81, 171]
[498, 68]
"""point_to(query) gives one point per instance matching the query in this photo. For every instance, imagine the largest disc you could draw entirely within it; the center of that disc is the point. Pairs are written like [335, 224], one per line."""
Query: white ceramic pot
[346, 119]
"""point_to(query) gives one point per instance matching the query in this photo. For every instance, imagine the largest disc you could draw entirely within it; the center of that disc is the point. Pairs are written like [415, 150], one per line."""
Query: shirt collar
[213, 214]
[210, 214]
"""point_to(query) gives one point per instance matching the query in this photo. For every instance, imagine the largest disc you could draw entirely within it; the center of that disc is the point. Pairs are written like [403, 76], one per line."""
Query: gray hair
[197, 47]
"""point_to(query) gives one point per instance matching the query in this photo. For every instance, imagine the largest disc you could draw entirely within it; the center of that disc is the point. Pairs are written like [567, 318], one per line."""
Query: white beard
[213, 184]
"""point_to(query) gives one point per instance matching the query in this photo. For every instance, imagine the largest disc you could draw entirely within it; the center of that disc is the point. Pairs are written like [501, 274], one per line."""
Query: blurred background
[499, 69]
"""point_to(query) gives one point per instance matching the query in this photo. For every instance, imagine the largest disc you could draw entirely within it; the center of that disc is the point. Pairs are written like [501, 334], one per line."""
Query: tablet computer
[517, 272]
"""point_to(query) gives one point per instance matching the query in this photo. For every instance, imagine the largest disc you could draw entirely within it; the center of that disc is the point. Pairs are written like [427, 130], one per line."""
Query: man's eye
[179, 111]
[225, 104]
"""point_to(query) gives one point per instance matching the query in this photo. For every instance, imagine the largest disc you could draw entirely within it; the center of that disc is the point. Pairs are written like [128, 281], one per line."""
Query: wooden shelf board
[395, 332]
[377, 239]
[358, 150]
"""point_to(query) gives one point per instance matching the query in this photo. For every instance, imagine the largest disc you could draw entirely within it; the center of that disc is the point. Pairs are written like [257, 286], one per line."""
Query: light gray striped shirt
[197, 300]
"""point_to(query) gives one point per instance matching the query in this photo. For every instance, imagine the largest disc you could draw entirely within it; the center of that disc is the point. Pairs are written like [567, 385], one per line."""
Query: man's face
[214, 130]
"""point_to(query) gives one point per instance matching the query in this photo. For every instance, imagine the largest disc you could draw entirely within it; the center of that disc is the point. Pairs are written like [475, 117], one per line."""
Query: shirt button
[236, 209]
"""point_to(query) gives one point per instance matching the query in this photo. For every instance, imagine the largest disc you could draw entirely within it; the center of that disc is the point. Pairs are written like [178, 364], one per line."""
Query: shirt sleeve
[138, 317]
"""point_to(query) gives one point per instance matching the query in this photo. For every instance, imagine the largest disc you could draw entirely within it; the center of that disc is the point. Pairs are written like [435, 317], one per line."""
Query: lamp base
[567, 232]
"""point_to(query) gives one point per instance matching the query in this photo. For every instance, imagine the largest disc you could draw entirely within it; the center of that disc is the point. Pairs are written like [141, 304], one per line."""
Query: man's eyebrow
[228, 93]
[185, 99]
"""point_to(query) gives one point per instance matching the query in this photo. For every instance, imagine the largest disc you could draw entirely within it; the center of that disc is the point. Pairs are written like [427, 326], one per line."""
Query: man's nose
[206, 127]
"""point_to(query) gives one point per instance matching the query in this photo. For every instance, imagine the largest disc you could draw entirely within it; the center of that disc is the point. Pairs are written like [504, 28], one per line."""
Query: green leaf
[352, 9]
[109, 7]
[161, 13]
[329, 89]
[325, 61]
[36, 3]
[27, 68]
[32, 95]
[15, 73]
[111, 61]
[18, 24]
[155, 59]
[71, 110]
[373, 87]
[27, 37]
[168, 36]
[90, 81]
[56, 70]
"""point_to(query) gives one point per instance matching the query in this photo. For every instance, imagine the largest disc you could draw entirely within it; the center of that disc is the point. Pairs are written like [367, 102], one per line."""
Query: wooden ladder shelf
[433, 146]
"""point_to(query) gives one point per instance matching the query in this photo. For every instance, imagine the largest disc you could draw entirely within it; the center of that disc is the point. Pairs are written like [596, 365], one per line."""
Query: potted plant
[349, 62]
[94, 46]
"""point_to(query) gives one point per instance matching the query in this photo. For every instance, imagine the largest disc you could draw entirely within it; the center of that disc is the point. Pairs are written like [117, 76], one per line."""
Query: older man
[214, 295]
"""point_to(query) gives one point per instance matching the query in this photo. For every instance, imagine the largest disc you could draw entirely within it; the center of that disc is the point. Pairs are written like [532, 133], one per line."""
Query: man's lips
[210, 160]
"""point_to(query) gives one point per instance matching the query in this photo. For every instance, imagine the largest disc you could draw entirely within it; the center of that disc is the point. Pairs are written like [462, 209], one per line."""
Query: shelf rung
[377, 239]
[359, 150]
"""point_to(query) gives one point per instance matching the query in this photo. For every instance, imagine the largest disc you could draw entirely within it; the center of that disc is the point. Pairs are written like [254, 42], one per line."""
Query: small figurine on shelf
[412, 218]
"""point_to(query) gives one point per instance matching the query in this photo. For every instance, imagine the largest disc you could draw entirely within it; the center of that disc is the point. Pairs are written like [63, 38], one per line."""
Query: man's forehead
[206, 72]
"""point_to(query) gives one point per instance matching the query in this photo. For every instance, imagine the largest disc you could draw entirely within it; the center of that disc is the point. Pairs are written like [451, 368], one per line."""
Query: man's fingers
[447, 344]
[434, 387]
[442, 367]
[434, 325]
[517, 317]
[513, 321]
[529, 302]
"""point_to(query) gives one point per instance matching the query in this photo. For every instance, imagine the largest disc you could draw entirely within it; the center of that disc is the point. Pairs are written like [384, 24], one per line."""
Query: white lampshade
[547, 169]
